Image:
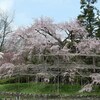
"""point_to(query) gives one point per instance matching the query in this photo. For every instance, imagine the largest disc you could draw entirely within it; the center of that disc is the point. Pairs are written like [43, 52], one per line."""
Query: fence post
[93, 63]
[17, 97]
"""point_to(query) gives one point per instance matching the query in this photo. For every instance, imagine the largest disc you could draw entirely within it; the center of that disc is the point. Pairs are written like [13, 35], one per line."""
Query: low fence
[20, 96]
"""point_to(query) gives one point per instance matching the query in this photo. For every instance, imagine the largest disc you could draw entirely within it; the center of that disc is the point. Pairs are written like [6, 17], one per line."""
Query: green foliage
[7, 80]
[18, 79]
[97, 23]
[89, 17]
[88, 60]
[35, 59]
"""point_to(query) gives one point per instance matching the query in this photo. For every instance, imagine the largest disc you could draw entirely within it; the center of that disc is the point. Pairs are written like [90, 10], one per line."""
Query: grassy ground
[40, 88]
[44, 88]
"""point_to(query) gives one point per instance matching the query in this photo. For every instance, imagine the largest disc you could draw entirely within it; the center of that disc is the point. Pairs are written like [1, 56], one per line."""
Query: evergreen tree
[88, 15]
[97, 24]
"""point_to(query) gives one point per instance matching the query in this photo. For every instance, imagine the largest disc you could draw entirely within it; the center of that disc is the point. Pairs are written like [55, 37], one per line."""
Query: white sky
[27, 10]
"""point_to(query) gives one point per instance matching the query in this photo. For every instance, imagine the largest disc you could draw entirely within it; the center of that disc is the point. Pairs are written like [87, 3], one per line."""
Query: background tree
[47, 27]
[88, 16]
[44, 33]
[74, 33]
[5, 28]
[89, 46]
[97, 24]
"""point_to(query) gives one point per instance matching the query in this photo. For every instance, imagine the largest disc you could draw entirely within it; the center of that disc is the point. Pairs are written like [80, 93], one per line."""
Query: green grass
[43, 88]
[39, 88]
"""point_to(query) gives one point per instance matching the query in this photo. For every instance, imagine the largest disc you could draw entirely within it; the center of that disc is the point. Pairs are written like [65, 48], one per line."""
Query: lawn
[45, 88]
[40, 88]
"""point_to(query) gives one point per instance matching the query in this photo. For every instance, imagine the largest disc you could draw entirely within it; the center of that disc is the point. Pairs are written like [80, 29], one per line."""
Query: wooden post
[94, 64]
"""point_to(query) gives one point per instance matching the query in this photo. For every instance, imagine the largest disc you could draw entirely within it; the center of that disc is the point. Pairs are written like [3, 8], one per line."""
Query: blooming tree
[45, 35]
[88, 46]
[47, 27]
[74, 33]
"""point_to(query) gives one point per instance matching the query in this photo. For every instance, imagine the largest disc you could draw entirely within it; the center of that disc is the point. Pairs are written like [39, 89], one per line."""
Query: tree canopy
[90, 17]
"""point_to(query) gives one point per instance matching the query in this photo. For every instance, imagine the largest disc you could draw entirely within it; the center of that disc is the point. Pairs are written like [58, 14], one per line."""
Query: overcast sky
[27, 10]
